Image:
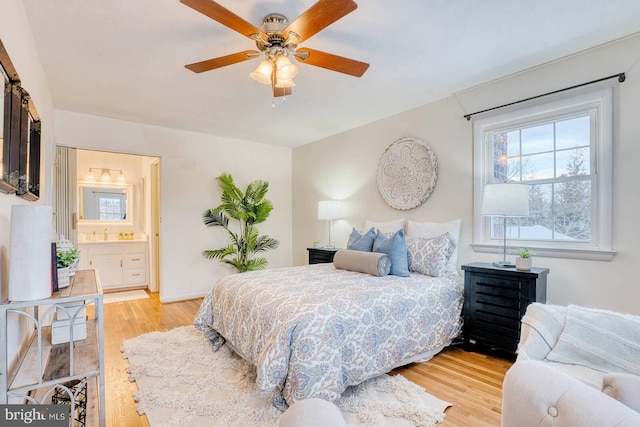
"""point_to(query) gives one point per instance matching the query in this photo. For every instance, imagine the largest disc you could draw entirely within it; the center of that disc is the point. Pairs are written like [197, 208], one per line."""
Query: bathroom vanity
[122, 264]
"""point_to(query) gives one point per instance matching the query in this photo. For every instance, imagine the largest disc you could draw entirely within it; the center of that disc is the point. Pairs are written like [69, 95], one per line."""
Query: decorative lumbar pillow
[396, 248]
[428, 230]
[361, 242]
[373, 263]
[430, 256]
[387, 228]
[625, 388]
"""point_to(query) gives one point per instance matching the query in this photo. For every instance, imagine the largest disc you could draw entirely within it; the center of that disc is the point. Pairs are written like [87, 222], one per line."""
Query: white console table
[41, 366]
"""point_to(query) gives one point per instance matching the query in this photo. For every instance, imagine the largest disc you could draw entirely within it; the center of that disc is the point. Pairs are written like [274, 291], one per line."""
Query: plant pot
[523, 264]
[73, 267]
[63, 277]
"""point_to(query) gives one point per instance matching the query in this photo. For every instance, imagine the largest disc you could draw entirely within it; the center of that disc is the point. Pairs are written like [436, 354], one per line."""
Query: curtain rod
[621, 77]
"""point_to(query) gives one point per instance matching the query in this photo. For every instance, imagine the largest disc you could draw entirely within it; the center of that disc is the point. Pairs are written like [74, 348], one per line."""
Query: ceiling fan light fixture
[262, 74]
[282, 83]
[285, 69]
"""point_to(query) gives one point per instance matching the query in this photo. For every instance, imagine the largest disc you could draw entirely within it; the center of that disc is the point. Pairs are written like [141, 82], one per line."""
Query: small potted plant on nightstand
[523, 262]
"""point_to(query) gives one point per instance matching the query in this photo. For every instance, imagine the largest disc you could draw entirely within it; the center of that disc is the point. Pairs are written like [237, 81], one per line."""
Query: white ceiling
[125, 58]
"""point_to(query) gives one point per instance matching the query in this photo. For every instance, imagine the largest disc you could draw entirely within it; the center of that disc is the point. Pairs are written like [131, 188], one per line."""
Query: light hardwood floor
[471, 381]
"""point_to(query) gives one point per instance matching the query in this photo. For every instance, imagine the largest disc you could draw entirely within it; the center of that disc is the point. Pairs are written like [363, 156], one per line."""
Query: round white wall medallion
[407, 173]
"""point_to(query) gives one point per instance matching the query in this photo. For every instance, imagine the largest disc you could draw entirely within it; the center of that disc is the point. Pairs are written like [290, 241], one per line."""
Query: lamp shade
[262, 74]
[286, 70]
[505, 200]
[30, 252]
[106, 175]
[90, 176]
[329, 209]
[282, 83]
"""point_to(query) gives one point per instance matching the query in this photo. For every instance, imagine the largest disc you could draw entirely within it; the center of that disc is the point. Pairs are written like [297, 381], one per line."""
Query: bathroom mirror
[103, 203]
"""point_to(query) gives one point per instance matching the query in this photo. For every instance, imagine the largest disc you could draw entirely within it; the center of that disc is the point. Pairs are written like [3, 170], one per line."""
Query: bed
[314, 330]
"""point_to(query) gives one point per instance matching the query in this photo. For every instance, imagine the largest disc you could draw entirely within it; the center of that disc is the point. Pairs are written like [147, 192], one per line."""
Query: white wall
[16, 38]
[190, 162]
[344, 167]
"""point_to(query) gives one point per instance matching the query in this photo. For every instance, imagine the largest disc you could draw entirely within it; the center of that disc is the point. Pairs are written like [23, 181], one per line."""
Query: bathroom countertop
[102, 242]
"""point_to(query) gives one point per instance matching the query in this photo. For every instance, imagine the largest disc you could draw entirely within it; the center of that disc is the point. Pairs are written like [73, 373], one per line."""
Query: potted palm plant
[248, 208]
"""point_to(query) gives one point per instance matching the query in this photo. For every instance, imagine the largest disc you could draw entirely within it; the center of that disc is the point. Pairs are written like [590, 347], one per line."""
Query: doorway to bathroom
[108, 205]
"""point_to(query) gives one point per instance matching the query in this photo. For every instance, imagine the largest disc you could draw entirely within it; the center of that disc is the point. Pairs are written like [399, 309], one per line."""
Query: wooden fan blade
[224, 16]
[332, 62]
[319, 16]
[223, 61]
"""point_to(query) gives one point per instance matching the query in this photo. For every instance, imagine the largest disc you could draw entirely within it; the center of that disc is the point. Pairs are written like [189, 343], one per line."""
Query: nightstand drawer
[503, 289]
[484, 310]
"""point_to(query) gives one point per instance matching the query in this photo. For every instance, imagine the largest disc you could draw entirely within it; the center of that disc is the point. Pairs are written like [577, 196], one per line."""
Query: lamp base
[503, 264]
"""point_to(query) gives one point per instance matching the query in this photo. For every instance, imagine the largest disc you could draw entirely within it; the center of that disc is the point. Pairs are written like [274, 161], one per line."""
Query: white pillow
[387, 228]
[428, 230]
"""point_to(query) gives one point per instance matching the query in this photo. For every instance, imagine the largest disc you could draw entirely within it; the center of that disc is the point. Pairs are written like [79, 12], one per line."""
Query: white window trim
[601, 248]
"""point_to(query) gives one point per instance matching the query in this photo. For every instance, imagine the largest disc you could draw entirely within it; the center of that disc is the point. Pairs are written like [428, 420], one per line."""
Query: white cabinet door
[109, 267]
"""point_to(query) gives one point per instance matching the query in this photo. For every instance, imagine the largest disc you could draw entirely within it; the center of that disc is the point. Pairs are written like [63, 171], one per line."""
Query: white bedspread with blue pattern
[314, 330]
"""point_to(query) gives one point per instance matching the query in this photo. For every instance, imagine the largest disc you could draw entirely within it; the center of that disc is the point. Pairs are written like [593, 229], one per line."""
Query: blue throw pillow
[395, 247]
[361, 242]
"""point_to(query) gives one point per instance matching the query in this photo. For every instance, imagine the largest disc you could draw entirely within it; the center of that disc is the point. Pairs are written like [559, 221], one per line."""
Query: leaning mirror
[29, 173]
[104, 203]
[9, 141]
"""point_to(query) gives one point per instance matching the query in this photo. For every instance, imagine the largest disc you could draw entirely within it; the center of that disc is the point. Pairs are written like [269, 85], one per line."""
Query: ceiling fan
[277, 40]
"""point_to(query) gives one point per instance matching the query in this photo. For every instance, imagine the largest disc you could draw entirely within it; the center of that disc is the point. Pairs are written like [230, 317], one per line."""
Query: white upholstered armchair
[575, 367]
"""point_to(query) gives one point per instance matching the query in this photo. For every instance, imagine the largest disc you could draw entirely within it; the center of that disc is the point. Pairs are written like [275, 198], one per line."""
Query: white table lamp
[329, 210]
[505, 200]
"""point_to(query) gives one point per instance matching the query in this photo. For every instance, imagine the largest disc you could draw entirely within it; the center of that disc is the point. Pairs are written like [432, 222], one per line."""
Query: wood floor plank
[472, 382]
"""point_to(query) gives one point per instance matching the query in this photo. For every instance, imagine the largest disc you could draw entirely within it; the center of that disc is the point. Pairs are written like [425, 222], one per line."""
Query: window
[110, 206]
[562, 150]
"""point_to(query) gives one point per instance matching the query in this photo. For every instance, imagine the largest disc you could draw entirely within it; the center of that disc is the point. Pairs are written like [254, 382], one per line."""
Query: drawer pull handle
[136, 274]
[135, 259]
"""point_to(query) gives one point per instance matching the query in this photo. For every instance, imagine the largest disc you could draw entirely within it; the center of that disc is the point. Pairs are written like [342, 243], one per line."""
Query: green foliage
[248, 208]
[525, 253]
[66, 258]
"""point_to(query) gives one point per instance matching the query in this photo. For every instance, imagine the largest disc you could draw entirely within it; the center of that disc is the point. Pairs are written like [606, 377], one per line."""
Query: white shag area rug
[112, 297]
[183, 382]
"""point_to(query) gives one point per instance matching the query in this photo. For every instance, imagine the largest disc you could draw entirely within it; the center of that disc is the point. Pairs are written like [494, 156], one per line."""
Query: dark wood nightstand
[495, 299]
[321, 255]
